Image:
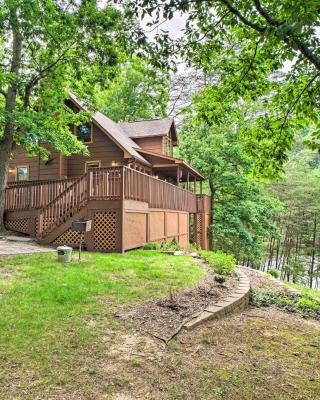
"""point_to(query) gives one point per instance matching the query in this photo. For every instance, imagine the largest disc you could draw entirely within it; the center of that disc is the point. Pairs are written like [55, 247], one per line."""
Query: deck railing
[105, 183]
[24, 195]
[157, 193]
[110, 183]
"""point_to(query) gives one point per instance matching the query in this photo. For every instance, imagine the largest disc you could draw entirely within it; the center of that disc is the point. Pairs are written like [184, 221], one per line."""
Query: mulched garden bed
[164, 317]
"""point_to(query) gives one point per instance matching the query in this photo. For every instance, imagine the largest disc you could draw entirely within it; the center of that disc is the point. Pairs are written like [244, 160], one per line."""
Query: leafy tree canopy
[242, 211]
[137, 92]
[49, 48]
[244, 45]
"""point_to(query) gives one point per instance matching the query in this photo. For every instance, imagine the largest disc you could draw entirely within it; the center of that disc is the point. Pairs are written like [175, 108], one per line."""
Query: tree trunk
[4, 166]
[6, 142]
[314, 237]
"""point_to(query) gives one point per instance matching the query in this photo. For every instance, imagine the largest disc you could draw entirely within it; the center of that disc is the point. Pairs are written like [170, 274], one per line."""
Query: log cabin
[131, 186]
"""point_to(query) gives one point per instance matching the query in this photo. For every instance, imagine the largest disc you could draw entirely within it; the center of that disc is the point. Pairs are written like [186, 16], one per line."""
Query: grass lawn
[61, 339]
[55, 317]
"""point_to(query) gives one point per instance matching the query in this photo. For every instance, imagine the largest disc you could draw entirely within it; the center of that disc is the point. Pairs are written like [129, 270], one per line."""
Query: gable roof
[156, 159]
[114, 131]
[108, 126]
[154, 127]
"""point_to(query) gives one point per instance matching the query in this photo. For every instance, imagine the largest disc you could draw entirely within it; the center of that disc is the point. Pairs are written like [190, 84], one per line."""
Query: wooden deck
[45, 209]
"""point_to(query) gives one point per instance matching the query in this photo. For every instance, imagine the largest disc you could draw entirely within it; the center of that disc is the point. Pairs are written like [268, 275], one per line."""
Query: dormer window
[84, 132]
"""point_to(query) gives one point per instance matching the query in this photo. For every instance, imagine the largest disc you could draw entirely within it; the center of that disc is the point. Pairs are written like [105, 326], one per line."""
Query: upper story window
[84, 132]
[22, 173]
[167, 146]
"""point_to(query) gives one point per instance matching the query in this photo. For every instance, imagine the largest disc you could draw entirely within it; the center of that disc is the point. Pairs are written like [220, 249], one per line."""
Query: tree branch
[289, 36]
[41, 75]
[265, 14]
[293, 106]
[242, 18]
[248, 69]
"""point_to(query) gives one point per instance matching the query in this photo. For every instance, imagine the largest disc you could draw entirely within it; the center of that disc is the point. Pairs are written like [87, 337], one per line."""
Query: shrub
[274, 272]
[220, 279]
[262, 299]
[152, 246]
[172, 245]
[221, 263]
[305, 304]
[286, 301]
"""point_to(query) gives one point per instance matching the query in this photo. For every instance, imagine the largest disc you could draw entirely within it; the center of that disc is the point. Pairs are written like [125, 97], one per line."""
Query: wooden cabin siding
[63, 166]
[50, 169]
[21, 159]
[153, 144]
[38, 169]
[101, 149]
[58, 167]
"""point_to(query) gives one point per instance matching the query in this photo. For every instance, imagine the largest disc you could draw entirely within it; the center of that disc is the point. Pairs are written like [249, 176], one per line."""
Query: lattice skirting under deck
[198, 223]
[105, 225]
[18, 225]
[70, 238]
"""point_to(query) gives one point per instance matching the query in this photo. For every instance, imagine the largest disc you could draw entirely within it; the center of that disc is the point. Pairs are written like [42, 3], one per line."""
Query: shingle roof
[115, 131]
[154, 127]
[119, 135]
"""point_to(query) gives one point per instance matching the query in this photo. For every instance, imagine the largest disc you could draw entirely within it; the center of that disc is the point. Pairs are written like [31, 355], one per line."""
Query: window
[167, 146]
[84, 132]
[90, 165]
[22, 173]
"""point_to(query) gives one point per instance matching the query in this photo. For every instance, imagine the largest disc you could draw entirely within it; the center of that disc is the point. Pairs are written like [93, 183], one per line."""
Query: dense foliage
[221, 263]
[242, 218]
[296, 252]
[264, 53]
[137, 92]
[289, 302]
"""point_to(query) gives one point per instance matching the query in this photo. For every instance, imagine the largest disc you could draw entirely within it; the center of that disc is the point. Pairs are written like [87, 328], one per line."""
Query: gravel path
[20, 245]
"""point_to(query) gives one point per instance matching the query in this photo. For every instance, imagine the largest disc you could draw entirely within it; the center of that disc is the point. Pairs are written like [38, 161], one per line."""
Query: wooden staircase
[56, 217]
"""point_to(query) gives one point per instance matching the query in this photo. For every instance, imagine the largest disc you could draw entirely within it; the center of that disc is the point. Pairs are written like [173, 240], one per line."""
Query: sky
[174, 26]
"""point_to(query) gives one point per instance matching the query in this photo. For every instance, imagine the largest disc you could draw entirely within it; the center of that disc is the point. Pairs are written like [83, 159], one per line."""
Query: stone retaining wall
[235, 302]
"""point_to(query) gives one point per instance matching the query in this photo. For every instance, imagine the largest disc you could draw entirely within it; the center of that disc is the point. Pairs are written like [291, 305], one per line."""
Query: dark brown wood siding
[153, 144]
[50, 169]
[63, 166]
[20, 159]
[58, 167]
[38, 169]
[101, 149]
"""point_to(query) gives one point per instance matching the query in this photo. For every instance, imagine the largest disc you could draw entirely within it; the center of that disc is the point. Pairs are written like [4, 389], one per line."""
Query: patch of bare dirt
[259, 354]
[5, 274]
[164, 317]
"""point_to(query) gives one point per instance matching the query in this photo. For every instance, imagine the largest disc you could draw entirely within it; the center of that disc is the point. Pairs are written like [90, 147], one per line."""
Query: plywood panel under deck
[157, 226]
[135, 229]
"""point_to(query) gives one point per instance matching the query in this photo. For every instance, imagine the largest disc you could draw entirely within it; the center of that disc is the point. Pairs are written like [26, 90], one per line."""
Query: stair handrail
[81, 199]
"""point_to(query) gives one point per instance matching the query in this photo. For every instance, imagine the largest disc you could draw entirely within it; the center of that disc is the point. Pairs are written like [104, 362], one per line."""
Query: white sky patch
[174, 26]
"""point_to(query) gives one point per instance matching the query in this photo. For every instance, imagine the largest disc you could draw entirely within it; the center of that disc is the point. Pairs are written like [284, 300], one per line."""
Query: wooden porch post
[178, 176]
[188, 179]
[200, 187]
[122, 212]
[195, 185]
